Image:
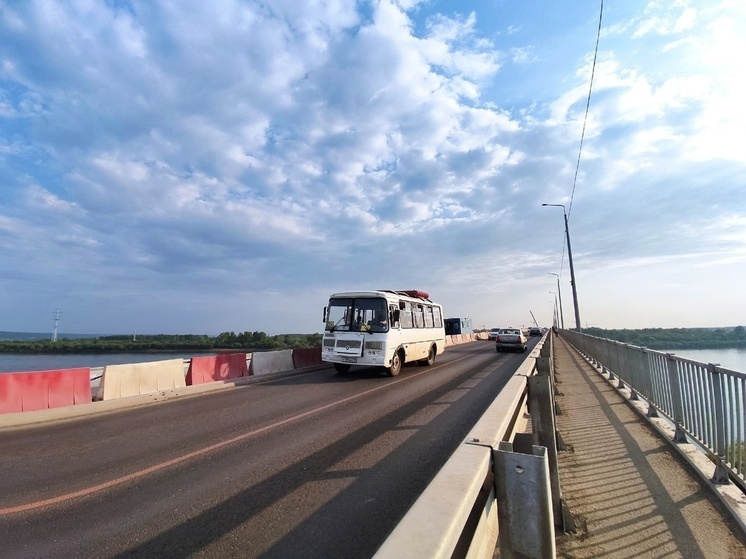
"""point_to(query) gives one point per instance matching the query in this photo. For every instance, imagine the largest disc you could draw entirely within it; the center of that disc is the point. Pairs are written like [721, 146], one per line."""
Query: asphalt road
[316, 464]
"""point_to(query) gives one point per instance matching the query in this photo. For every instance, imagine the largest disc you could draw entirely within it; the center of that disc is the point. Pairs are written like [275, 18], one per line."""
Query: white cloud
[285, 147]
[666, 18]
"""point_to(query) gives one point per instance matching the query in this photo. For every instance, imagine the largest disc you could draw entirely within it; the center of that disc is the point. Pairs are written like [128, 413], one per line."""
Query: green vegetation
[246, 341]
[676, 338]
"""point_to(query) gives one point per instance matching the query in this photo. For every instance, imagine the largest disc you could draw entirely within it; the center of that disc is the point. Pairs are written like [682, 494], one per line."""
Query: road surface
[317, 464]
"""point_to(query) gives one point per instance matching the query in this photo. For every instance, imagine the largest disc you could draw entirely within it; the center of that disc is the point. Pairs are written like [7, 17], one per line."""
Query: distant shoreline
[223, 343]
[676, 338]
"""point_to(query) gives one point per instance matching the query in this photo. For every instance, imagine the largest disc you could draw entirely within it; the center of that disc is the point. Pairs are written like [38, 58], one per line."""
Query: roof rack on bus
[416, 293]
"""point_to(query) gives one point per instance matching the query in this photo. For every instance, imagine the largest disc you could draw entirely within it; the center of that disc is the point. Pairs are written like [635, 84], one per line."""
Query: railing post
[720, 476]
[678, 407]
[649, 389]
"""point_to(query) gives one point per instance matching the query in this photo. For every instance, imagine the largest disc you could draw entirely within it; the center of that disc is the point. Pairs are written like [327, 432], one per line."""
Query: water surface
[733, 359]
[18, 363]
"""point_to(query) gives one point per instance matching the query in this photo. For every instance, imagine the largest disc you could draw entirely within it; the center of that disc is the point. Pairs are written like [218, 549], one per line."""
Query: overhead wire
[585, 121]
[587, 107]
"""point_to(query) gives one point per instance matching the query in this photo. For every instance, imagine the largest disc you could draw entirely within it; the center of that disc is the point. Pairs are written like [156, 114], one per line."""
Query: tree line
[676, 338]
[244, 341]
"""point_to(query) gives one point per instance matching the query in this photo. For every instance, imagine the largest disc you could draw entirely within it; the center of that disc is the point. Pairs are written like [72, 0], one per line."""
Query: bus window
[419, 318]
[394, 315]
[437, 319]
[370, 315]
[428, 316]
[405, 315]
[339, 315]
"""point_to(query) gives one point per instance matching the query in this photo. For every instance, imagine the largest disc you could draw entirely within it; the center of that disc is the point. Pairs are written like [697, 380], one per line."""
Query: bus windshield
[357, 315]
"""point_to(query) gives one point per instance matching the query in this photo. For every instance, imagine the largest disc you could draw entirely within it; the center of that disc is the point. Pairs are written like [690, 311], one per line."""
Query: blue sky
[200, 167]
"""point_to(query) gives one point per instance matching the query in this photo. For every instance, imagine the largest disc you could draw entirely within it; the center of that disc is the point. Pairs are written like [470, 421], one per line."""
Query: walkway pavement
[631, 494]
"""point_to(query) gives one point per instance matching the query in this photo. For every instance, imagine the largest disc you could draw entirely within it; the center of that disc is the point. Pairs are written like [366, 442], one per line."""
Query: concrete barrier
[456, 339]
[132, 379]
[40, 390]
[444, 514]
[213, 368]
[267, 362]
[306, 357]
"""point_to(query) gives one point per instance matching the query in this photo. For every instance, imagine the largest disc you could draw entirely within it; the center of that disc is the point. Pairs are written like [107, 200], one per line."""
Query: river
[733, 359]
[18, 363]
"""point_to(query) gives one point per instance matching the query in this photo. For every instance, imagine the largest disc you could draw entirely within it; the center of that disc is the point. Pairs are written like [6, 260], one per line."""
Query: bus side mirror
[324, 317]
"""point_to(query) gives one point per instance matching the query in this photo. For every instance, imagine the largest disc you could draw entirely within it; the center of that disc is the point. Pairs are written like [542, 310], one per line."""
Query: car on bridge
[510, 339]
[492, 334]
[535, 332]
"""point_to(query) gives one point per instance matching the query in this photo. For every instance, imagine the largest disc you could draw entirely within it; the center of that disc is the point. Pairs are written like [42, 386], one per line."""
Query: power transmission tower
[56, 315]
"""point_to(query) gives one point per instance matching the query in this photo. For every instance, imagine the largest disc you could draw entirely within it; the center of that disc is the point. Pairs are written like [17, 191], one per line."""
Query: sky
[189, 167]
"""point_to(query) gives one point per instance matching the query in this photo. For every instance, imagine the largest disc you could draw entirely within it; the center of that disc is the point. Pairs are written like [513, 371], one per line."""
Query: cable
[587, 106]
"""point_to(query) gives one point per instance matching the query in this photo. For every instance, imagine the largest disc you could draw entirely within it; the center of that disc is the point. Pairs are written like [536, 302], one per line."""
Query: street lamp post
[556, 310]
[559, 291]
[572, 268]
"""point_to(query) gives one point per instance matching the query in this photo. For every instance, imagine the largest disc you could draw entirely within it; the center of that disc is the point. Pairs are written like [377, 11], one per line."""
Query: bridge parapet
[457, 514]
[698, 407]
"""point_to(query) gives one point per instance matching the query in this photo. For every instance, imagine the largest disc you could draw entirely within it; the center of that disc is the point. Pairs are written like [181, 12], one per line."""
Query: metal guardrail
[706, 402]
[457, 514]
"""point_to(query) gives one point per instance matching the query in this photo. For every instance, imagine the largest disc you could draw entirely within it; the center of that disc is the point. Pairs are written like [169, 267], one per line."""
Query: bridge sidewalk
[630, 493]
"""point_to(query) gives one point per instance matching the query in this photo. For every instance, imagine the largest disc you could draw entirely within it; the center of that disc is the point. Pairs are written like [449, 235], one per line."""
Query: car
[510, 339]
[535, 332]
[492, 334]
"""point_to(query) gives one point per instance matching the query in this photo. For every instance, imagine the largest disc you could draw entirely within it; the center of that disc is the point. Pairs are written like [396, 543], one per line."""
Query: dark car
[535, 332]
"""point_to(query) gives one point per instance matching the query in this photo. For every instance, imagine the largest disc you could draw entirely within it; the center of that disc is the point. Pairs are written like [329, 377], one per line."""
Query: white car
[511, 339]
[492, 334]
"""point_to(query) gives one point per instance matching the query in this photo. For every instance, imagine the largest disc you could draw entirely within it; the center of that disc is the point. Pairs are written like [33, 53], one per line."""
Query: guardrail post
[524, 506]
[544, 432]
[545, 367]
[543, 408]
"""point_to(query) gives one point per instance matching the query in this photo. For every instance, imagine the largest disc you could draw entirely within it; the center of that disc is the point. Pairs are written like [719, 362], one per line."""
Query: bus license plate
[349, 359]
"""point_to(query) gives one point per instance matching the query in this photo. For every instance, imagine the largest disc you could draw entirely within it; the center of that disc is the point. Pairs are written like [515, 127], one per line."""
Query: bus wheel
[430, 359]
[340, 368]
[395, 368]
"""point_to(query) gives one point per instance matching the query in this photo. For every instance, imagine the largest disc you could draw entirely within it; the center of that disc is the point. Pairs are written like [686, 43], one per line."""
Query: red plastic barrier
[216, 367]
[306, 357]
[42, 390]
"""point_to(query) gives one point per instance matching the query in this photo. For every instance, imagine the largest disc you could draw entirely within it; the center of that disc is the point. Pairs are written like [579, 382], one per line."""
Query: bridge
[429, 464]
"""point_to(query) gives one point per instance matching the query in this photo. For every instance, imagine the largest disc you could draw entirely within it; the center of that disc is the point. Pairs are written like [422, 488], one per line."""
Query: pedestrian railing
[705, 402]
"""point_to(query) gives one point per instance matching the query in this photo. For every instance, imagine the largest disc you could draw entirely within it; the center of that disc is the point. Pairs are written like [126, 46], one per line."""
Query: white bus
[382, 328]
